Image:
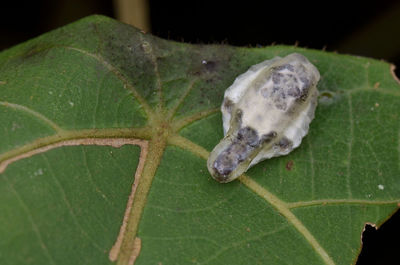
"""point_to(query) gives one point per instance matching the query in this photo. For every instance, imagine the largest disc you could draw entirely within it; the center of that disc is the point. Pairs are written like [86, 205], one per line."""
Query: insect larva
[266, 112]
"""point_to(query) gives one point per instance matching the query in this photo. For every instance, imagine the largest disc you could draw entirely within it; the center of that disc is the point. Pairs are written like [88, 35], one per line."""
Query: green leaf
[105, 133]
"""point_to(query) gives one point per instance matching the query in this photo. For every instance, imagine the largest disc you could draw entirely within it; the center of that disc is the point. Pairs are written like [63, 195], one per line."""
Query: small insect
[266, 112]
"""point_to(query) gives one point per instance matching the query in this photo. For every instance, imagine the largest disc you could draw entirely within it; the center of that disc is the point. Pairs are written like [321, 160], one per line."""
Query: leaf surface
[105, 134]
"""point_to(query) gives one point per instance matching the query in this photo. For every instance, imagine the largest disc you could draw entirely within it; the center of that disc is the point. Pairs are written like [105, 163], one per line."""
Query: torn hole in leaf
[395, 72]
[380, 245]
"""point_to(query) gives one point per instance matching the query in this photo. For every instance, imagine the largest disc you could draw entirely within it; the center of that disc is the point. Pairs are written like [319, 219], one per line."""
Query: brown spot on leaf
[377, 84]
[289, 165]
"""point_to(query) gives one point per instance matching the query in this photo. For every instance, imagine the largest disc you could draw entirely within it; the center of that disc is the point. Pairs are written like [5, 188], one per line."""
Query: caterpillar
[266, 112]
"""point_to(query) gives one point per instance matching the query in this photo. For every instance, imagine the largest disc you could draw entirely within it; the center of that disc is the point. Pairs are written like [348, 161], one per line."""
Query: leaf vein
[242, 242]
[30, 218]
[120, 76]
[325, 202]
[312, 168]
[96, 106]
[32, 112]
[281, 206]
[192, 210]
[67, 203]
[112, 137]
[174, 109]
[91, 180]
[180, 123]
[350, 146]
[148, 49]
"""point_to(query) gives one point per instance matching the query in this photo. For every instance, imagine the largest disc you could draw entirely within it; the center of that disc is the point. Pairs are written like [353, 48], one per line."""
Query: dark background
[365, 28]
